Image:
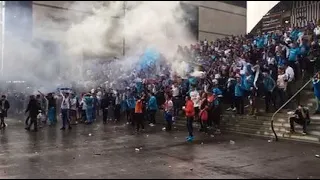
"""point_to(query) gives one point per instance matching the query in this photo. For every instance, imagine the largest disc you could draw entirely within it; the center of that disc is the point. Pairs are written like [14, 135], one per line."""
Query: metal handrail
[272, 118]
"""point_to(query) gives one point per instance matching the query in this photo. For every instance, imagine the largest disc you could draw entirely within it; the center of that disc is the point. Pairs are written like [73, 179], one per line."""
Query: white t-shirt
[175, 91]
[195, 98]
[290, 73]
[281, 81]
[65, 103]
[73, 103]
[317, 30]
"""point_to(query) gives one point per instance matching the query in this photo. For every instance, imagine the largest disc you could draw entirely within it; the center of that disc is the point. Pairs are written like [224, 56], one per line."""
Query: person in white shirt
[290, 76]
[282, 83]
[73, 109]
[195, 98]
[65, 106]
[176, 99]
[289, 72]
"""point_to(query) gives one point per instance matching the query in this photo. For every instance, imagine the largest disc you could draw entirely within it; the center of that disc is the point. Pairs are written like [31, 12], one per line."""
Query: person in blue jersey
[239, 96]
[294, 35]
[268, 86]
[316, 89]
[131, 105]
[259, 42]
[88, 99]
[304, 60]
[152, 107]
[217, 106]
[293, 52]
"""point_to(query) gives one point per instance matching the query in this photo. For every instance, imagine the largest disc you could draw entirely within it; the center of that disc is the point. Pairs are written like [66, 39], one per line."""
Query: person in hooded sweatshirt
[52, 109]
[190, 113]
[269, 84]
[33, 109]
[239, 96]
[89, 108]
[4, 106]
[138, 114]
[131, 105]
[152, 109]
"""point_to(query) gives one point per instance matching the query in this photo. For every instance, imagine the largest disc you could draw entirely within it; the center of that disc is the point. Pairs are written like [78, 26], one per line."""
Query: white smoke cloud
[99, 33]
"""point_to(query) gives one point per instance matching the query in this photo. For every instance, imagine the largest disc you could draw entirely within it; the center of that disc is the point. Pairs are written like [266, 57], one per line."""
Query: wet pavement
[111, 151]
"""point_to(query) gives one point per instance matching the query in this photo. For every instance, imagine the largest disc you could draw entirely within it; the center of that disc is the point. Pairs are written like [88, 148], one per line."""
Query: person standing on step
[268, 85]
[316, 89]
[239, 96]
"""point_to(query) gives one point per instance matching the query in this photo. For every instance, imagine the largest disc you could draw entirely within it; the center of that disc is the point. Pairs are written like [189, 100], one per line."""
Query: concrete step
[281, 135]
[278, 127]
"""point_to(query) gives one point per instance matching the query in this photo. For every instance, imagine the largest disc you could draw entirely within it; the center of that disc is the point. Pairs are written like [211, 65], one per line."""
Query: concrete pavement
[109, 151]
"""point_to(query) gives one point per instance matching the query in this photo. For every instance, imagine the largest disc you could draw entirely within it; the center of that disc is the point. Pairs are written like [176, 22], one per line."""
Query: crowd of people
[234, 71]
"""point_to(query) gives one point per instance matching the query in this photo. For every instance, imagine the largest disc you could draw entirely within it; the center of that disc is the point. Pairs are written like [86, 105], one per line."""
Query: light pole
[124, 38]
[2, 34]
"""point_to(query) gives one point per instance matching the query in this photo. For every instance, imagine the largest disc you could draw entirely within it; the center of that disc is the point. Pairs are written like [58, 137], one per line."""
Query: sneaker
[164, 129]
[28, 129]
[304, 133]
[229, 109]
[151, 124]
[63, 128]
[234, 109]
[246, 106]
[190, 139]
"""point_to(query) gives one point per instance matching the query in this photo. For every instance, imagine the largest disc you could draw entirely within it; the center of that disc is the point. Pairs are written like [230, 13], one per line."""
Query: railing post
[272, 118]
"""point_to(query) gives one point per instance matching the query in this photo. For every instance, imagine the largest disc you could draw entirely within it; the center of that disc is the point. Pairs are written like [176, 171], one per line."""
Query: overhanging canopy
[256, 10]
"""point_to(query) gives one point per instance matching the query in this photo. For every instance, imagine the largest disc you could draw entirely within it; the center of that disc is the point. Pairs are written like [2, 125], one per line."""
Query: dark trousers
[83, 115]
[33, 121]
[27, 120]
[299, 121]
[176, 106]
[210, 117]
[190, 126]
[217, 116]
[104, 115]
[139, 121]
[168, 118]
[131, 117]
[152, 116]
[239, 104]
[204, 126]
[117, 112]
[282, 96]
[2, 124]
[65, 117]
[269, 98]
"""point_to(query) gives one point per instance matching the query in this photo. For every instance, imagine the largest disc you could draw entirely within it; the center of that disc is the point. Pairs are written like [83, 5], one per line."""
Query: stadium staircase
[260, 125]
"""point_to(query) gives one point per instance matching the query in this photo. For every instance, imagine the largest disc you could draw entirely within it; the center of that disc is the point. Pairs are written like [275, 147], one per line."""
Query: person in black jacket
[33, 109]
[105, 103]
[4, 106]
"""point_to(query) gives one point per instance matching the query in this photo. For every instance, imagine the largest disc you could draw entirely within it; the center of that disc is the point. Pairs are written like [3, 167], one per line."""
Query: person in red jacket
[189, 111]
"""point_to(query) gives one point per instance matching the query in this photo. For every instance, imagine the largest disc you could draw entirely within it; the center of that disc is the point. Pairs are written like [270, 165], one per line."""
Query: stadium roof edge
[256, 10]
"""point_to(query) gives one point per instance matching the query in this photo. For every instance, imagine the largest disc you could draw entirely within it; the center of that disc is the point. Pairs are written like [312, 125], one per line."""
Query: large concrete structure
[215, 19]
[218, 19]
